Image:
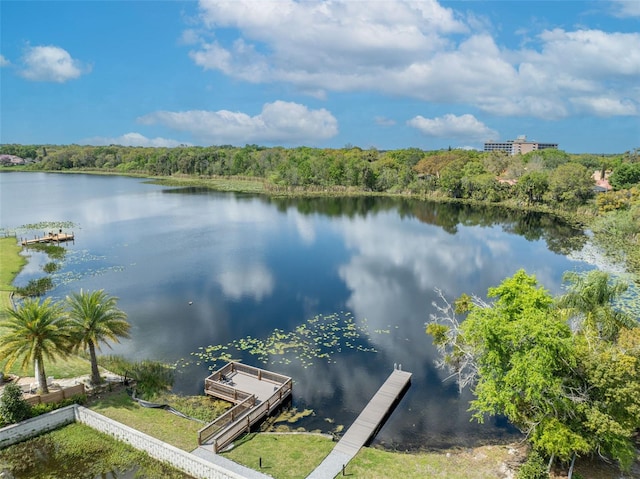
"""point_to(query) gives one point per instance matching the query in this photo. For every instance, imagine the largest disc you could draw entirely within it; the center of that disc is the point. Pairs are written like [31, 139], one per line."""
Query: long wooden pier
[49, 238]
[255, 392]
[365, 427]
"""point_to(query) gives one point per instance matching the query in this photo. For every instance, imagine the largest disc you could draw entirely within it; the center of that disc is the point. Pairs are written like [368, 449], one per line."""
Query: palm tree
[590, 300]
[95, 319]
[33, 331]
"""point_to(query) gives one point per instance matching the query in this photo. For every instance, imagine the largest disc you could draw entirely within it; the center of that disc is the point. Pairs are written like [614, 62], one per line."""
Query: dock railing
[248, 418]
[225, 419]
[248, 409]
[261, 374]
[222, 391]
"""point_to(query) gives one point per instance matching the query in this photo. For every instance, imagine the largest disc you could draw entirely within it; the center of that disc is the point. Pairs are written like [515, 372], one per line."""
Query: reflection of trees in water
[560, 236]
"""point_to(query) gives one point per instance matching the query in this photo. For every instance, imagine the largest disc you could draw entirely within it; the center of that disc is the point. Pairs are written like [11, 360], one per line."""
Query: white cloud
[279, 121]
[606, 106]
[132, 139]
[51, 63]
[452, 126]
[383, 121]
[420, 50]
[3, 61]
[626, 8]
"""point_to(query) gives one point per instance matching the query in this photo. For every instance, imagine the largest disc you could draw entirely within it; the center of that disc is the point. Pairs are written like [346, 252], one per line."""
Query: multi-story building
[519, 146]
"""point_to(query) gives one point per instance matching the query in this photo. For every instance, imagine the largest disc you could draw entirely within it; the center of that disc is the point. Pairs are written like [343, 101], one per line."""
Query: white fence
[189, 463]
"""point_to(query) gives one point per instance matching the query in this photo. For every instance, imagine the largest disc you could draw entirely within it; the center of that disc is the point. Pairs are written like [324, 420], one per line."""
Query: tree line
[547, 176]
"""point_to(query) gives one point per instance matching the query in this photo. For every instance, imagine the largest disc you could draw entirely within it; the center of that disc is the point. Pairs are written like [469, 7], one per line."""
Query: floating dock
[49, 238]
[365, 427]
[255, 392]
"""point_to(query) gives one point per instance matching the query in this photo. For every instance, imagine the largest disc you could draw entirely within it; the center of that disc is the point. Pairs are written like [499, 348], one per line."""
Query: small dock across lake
[366, 426]
[49, 238]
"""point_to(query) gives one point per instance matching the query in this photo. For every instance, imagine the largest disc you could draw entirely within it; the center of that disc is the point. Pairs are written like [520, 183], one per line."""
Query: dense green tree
[550, 158]
[533, 186]
[571, 183]
[34, 331]
[95, 319]
[572, 391]
[605, 391]
[451, 179]
[625, 176]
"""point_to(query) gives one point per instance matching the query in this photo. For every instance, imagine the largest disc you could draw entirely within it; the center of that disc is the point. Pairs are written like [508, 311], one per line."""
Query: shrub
[13, 407]
[151, 377]
[533, 468]
[44, 408]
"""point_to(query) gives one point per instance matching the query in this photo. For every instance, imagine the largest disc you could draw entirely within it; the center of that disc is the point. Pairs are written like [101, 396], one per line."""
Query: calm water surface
[250, 265]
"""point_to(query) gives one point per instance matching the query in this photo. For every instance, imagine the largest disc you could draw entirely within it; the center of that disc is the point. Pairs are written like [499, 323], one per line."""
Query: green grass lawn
[11, 262]
[70, 367]
[477, 463]
[79, 451]
[284, 456]
[158, 423]
[294, 456]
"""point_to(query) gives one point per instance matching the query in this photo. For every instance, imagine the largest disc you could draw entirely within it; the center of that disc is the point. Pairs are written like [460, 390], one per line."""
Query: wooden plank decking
[49, 238]
[255, 392]
[365, 426]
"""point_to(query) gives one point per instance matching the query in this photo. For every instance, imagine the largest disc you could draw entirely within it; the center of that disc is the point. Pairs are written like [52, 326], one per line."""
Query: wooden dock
[49, 238]
[366, 426]
[255, 392]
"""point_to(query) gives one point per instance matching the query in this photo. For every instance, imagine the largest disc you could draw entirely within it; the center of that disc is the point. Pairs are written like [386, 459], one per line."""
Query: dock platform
[255, 392]
[365, 427]
[49, 238]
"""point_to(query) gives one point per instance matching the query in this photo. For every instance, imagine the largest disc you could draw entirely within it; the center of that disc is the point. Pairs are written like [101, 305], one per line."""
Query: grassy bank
[179, 432]
[12, 263]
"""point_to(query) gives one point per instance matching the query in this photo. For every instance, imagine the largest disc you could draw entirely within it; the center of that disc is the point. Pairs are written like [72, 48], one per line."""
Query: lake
[330, 291]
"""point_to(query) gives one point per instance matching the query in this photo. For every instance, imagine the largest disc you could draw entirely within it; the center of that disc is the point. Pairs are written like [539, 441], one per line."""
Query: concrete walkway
[207, 454]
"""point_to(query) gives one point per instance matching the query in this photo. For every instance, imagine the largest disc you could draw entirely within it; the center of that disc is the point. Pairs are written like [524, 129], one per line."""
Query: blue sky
[384, 74]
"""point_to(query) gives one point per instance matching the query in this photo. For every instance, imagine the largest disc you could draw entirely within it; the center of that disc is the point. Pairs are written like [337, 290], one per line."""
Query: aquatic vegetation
[319, 338]
[76, 270]
[47, 225]
[293, 415]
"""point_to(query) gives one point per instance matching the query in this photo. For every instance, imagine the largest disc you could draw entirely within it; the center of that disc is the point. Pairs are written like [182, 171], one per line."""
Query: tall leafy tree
[34, 331]
[571, 184]
[533, 186]
[96, 319]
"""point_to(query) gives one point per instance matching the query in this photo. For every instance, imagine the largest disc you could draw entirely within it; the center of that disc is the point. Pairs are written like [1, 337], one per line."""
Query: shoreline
[12, 264]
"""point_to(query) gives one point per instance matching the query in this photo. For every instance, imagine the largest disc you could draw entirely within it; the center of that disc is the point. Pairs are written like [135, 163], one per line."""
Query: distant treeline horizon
[465, 174]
